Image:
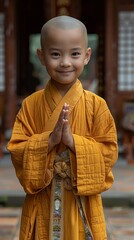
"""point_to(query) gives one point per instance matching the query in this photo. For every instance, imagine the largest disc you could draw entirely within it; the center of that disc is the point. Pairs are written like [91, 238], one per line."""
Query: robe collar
[56, 101]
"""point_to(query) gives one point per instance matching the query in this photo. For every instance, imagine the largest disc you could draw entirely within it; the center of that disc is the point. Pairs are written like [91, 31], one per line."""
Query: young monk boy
[63, 144]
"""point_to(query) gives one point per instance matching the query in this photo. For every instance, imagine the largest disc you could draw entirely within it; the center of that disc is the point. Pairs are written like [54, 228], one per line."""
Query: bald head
[63, 22]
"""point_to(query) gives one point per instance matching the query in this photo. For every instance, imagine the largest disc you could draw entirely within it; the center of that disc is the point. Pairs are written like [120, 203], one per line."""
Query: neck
[62, 88]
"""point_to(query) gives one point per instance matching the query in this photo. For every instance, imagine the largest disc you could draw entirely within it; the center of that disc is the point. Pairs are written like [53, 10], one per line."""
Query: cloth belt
[61, 181]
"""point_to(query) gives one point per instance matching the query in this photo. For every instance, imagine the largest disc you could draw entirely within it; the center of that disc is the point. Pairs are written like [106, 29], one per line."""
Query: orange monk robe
[95, 141]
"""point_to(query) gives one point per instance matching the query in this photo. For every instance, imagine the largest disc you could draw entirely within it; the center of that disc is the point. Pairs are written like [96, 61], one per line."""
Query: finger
[66, 106]
[65, 121]
[61, 116]
[60, 123]
[66, 115]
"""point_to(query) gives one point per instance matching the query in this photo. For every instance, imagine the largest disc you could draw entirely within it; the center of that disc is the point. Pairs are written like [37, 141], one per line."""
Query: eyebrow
[73, 49]
[77, 48]
[51, 49]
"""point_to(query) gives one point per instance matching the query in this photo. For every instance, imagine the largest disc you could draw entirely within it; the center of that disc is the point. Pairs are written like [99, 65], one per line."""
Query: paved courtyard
[118, 202]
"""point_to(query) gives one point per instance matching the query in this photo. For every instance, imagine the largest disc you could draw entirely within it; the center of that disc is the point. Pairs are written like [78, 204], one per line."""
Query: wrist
[50, 144]
[71, 145]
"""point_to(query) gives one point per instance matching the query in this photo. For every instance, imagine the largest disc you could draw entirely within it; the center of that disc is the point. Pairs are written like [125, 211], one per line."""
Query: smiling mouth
[65, 72]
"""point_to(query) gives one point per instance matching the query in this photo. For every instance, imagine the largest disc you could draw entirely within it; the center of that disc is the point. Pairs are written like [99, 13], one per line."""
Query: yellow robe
[95, 141]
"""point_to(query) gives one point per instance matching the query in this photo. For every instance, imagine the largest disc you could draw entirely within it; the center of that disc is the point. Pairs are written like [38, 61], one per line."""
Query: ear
[87, 56]
[40, 56]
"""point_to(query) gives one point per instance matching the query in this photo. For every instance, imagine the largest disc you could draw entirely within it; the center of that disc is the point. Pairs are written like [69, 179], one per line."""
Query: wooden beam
[10, 63]
[111, 55]
[62, 7]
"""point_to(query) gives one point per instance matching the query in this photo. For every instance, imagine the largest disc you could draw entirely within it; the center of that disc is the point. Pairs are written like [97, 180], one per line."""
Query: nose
[65, 62]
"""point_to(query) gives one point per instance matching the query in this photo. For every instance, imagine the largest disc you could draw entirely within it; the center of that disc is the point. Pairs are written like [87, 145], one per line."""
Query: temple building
[110, 73]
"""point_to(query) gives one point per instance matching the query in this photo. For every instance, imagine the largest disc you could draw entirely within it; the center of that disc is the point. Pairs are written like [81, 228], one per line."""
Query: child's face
[64, 54]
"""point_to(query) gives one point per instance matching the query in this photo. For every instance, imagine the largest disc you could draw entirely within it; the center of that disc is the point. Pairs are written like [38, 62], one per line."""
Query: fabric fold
[95, 141]
[71, 98]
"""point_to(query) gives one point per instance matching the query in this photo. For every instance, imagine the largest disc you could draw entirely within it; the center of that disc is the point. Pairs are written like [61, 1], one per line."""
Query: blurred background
[110, 74]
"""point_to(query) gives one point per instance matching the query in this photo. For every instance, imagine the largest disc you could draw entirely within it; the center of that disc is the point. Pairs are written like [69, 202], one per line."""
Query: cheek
[51, 63]
[80, 64]
[50, 66]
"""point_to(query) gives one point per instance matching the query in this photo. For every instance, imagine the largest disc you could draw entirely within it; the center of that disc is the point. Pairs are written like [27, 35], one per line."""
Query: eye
[55, 54]
[76, 54]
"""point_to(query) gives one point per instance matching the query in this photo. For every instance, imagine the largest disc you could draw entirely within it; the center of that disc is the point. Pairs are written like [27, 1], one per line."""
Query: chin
[68, 83]
[64, 81]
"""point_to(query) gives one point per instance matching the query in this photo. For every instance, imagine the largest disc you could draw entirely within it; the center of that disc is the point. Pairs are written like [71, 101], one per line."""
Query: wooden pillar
[111, 55]
[10, 63]
[2, 82]
[62, 7]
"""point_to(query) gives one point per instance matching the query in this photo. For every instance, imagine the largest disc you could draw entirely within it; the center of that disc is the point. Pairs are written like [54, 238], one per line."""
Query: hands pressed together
[62, 132]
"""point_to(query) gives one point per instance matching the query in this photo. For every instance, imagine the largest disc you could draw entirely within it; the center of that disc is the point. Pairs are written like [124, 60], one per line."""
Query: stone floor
[9, 223]
[119, 217]
[120, 223]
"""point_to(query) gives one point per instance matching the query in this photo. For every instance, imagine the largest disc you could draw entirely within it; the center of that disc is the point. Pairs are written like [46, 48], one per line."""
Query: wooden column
[62, 7]
[111, 55]
[10, 63]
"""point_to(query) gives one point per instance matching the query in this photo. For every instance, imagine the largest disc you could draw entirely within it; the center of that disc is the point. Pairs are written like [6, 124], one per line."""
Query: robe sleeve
[95, 156]
[29, 153]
